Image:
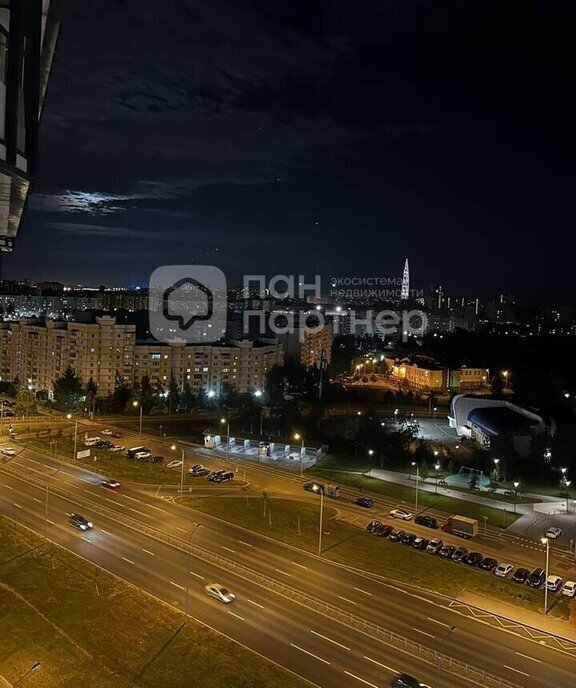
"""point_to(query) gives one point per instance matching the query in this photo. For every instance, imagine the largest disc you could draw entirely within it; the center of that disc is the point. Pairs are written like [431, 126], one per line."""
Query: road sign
[83, 454]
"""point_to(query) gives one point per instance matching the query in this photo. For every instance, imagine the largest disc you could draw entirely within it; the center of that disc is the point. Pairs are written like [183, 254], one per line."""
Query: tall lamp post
[444, 639]
[33, 668]
[297, 436]
[227, 422]
[516, 486]
[567, 483]
[320, 489]
[436, 468]
[546, 541]
[69, 416]
[414, 463]
[174, 448]
[136, 404]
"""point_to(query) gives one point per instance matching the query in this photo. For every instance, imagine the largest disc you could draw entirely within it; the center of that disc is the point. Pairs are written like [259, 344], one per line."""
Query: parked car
[117, 435]
[434, 546]
[428, 521]
[366, 502]
[447, 551]
[553, 583]
[420, 543]
[110, 484]
[488, 564]
[569, 589]
[91, 441]
[106, 432]
[373, 526]
[215, 474]
[408, 539]
[502, 570]
[553, 533]
[473, 559]
[224, 477]
[536, 578]
[117, 448]
[384, 530]
[396, 534]
[157, 458]
[197, 472]
[172, 464]
[459, 554]
[142, 455]
[401, 514]
[220, 593]
[520, 575]
[79, 522]
[9, 451]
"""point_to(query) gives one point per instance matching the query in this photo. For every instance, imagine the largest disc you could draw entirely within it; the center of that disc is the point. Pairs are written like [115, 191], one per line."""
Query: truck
[461, 525]
[332, 491]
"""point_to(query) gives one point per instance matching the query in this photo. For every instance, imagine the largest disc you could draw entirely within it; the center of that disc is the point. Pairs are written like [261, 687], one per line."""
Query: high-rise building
[28, 32]
[405, 291]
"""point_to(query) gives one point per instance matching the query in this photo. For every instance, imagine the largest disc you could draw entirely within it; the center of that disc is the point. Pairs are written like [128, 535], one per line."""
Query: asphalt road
[162, 571]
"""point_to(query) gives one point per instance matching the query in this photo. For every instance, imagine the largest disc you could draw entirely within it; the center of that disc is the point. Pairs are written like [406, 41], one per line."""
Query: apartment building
[424, 374]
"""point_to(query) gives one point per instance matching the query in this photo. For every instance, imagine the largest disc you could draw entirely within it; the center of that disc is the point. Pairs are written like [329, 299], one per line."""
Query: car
[198, 472]
[9, 451]
[536, 578]
[420, 543]
[473, 559]
[142, 455]
[172, 464]
[214, 474]
[488, 564]
[117, 435]
[108, 433]
[569, 589]
[428, 521]
[553, 583]
[434, 546]
[224, 477]
[459, 554]
[553, 533]
[502, 570]
[111, 484]
[401, 514]
[384, 530]
[7, 413]
[195, 467]
[520, 575]
[157, 458]
[104, 444]
[508, 493]
[77, 521]
[373, 526]
[447, 551]
[92, 441]
[117, 448]
[396, 534]
[366, 502]
[220, 593]
[408, 539]
[407, 681]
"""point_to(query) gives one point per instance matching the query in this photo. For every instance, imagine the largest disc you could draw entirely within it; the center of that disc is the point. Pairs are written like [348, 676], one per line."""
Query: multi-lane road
[292, 634]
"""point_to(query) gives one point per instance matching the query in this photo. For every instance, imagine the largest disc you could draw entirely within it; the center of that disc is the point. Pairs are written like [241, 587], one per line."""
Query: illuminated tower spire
[405, 293]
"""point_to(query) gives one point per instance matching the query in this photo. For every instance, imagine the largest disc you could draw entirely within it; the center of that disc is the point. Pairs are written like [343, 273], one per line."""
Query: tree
[424, 470]
[68, 391]
[91, 392]
[146, 394]
[25, 403]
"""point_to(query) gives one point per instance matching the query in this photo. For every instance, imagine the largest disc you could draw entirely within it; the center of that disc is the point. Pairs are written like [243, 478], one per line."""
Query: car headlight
[82, 526]
[89, 524]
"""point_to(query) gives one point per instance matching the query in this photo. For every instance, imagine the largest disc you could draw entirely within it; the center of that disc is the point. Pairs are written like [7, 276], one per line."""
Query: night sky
[304, 136]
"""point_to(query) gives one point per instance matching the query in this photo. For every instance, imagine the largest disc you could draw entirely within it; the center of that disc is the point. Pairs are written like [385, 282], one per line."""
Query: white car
[117, 448]
[91, 441]
[400, 513]
[174, 464]
[553, 583]
[9, 451]
[220, 593]
[139, 456]
[106, 432]
[553, 533]
[569, 589]
[502, 570]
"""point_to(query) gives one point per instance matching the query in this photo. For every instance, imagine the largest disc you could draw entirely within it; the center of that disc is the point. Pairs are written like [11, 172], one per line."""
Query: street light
[69, 416]
[319, 488]
[567, 483]
[227, 422]
[435, 409]
[414, 463]
[437, 468]
[33, 668]
[297, 436]
[516, 486]
[546, 541]
[174, 448]
[136, 404]
[505, 373]
[444, 639]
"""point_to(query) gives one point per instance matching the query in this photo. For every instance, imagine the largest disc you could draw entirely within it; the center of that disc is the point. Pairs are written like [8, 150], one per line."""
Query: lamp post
[417, 486]
[69, 416]
[297, 436]
[28, 397]
[135, 404]
[444, 639]
[318, 488]
[174, 448]
[505, 373]
[516, 486]
[436, 468]
[435, 409]
[33, 668]
[227, 422]
[567, 483]
[496, 462]
[546, 541]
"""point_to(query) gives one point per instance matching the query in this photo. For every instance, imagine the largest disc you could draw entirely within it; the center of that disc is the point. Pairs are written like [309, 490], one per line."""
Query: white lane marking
[237, 616]
[183, 530]
[284, 573]
[300, 565]
[177, 586]
[516, 670]
[245, 543]
[85, 538]
[310, 654]
[346, 599]
[148, 552]
[132, 498]
[362, 680]
[364, 591]
[423, 632]
[18, 505]
[50, 522]
[256, 604]
[34, 461]
[229, 550]
[37, 500]
[528, 657]
[129, 561]
[196, 574]
[29, 468]
[137, 512]
[8, 486]
[385, 666]
[438, 622]
[105, 531]
[330, 640]
[151, 506]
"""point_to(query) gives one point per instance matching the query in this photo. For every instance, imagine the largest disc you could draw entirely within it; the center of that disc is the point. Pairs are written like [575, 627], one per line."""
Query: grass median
[283, 520]
[80, 622]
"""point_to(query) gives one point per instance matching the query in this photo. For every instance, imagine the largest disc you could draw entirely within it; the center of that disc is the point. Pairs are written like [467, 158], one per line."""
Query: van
[92, 441]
